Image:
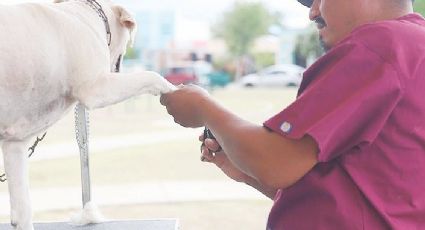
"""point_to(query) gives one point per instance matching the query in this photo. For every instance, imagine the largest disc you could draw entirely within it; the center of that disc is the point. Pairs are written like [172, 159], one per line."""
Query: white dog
[52, 56]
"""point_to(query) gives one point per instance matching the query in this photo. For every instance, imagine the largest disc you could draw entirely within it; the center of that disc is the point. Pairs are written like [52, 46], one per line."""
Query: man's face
[336, 19]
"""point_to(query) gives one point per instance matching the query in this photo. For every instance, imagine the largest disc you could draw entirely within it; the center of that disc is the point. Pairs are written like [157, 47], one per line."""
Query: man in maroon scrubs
[349, 153]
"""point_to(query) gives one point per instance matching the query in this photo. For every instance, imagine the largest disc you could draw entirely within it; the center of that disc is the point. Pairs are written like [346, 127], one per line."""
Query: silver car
[275, 76]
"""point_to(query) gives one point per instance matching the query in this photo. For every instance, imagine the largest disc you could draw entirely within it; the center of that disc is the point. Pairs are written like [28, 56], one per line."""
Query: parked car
[218, 78]
[181, 75]
[275, 76]
[202, 69]
[209, 77]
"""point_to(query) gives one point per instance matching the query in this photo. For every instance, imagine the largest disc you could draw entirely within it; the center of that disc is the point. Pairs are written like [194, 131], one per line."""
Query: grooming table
[169, 224]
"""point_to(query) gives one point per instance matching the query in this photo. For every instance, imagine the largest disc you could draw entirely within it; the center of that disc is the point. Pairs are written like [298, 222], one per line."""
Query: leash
[99, 10]
[31, 151]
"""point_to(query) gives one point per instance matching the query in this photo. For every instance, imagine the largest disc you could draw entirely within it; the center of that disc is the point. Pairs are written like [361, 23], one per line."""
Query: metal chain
[98, 8]
[77, 129]
[3, 178]
[30, 149]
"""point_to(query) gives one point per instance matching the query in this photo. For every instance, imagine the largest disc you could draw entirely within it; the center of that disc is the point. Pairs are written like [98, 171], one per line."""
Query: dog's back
[40, 50]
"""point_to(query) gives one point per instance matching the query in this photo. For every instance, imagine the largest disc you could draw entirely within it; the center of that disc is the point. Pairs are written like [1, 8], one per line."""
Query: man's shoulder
[391, 39]
[391, 33]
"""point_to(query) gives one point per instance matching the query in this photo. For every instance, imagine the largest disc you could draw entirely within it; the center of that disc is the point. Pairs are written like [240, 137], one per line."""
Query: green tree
[240, 26]
[263, 59]
[307, 46]
[419, 6]
[131, 53]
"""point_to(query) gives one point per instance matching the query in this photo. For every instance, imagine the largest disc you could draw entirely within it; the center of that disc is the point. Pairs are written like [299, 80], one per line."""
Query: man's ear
[126, 20]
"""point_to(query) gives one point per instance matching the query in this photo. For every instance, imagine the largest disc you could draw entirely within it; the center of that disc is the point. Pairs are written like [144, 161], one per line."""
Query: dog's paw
[16, 226]
[13, 218]
[89, 215]
[164, 86]
[158, 84]
[160, 88]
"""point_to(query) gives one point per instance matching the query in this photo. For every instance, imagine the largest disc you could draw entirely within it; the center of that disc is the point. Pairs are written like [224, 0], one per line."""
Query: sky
[210, 10]
[199, 15]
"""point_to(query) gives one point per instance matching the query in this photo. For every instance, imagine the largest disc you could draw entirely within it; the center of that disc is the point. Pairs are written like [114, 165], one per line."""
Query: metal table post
[82, 134]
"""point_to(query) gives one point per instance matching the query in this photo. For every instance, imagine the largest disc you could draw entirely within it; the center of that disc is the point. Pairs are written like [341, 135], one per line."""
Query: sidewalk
[98, 144]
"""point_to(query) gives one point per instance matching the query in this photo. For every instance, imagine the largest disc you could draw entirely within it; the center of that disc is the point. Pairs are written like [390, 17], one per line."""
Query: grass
[129, 165]
[169, 160]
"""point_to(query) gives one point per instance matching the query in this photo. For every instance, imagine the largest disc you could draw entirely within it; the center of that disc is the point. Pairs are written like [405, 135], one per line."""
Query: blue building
[156, 32]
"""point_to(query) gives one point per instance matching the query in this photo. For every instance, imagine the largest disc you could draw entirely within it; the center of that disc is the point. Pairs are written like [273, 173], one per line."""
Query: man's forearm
[273, 160]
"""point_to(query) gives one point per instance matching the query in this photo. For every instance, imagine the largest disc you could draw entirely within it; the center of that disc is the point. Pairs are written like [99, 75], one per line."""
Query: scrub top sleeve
[350, 95]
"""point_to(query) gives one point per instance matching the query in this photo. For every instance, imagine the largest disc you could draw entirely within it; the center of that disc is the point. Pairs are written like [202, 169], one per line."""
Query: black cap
[307, 3]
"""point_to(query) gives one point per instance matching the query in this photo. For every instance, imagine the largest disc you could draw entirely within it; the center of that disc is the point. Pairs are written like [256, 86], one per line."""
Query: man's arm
[269, 192]
[219, 158]
[271, 159]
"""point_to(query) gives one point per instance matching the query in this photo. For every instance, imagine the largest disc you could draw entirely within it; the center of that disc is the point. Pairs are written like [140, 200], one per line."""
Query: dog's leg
[16, 167]
[116, 87]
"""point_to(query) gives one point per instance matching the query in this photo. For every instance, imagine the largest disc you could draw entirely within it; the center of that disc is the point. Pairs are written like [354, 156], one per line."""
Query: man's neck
[393, 12]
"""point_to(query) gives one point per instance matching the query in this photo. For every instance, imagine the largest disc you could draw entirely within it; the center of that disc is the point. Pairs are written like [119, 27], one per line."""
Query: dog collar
[98, 8]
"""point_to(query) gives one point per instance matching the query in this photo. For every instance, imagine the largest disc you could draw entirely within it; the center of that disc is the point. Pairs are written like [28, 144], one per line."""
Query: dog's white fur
[89, 215]
[52, 56]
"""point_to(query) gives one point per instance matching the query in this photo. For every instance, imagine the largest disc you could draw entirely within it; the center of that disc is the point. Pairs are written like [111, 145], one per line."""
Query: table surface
[166, 224]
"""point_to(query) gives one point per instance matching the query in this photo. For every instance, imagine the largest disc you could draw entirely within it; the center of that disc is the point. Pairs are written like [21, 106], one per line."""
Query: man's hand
[210, 154]
[186, 105]
[213, 153]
